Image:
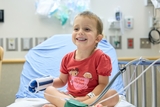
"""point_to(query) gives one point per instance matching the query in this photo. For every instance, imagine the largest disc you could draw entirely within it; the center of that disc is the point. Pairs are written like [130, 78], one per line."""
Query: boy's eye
[76, 29]
[87, 29]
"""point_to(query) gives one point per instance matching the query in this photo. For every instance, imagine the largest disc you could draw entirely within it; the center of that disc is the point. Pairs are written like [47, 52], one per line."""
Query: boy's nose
[80, 32]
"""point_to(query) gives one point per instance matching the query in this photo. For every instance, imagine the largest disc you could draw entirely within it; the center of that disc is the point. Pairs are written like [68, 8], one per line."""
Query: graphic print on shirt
[79, 83]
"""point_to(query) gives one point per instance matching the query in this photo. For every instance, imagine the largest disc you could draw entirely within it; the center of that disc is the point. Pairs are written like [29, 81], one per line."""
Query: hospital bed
[45, 59]
[1, 58]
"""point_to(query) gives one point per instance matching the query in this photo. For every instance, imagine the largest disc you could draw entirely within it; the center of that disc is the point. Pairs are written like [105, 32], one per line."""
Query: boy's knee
[116, 97]
[112, 92]
[49, 90]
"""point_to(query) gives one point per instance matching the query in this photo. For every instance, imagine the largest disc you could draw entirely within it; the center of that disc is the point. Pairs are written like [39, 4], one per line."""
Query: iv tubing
[131, 82]
[111, 82]
[140, 60]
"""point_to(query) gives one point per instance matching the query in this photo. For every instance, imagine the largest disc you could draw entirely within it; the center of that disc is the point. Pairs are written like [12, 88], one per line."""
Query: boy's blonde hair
[96, 18]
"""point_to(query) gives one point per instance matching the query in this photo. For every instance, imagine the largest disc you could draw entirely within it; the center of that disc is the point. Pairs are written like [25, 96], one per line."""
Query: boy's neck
[83, 54]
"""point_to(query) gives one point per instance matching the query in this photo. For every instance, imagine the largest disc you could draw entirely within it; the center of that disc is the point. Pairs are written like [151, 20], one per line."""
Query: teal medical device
[74, 103]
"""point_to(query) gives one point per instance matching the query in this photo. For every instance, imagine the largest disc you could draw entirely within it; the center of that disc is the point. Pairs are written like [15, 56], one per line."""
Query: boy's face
[84, 33]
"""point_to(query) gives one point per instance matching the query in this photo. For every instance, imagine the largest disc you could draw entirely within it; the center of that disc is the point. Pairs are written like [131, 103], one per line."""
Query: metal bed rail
[144, 92]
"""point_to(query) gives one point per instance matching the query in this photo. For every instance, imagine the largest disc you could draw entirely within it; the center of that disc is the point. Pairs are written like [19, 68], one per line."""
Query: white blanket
[39, 102]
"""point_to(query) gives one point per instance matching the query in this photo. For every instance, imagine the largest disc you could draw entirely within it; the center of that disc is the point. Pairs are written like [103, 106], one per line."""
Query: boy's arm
[60, 81]
[103, 81]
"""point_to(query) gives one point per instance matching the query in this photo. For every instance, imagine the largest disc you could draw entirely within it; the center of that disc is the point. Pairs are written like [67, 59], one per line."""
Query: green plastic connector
[74, 103]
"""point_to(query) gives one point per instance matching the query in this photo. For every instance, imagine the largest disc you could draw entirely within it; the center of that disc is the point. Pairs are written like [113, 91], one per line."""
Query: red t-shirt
[83, 75]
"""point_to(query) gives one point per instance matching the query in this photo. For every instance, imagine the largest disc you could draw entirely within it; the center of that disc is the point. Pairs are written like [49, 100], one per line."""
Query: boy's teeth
[81, 39]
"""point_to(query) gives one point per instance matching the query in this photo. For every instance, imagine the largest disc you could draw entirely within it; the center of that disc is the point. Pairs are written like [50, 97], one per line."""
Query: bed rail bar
[143, 93]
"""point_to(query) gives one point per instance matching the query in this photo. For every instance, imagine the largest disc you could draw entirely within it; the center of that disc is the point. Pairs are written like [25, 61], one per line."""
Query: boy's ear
[99, 38]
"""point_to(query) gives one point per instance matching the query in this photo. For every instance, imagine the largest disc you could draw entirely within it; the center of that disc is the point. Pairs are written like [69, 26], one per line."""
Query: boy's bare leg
[58, 98]
[48, 105]
[108, 103]
[55, 97]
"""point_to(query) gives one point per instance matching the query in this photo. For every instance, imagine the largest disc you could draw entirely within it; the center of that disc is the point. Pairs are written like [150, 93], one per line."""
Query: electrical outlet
[145, 43]
[26, 44]
[12, 44]
[116, 42]
[130, 43]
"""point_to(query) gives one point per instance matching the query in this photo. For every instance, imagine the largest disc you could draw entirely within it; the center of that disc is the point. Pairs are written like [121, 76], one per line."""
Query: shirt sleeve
[104, 66]
[63, 67]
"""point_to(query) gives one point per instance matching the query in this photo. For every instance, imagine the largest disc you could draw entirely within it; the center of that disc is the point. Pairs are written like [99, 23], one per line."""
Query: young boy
[87, 69]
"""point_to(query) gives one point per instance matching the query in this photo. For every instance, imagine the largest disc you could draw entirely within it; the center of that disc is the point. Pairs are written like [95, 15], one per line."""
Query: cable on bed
[131, 82]
[136, 65]
[111, 82]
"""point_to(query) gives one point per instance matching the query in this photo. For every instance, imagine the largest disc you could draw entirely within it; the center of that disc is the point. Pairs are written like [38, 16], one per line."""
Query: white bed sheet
[39, 102]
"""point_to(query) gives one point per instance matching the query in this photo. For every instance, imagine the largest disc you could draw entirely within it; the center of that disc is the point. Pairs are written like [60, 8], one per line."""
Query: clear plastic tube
[130, 82]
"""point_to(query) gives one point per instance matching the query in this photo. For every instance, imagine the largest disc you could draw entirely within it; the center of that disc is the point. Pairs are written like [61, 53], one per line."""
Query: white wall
[21, 21]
